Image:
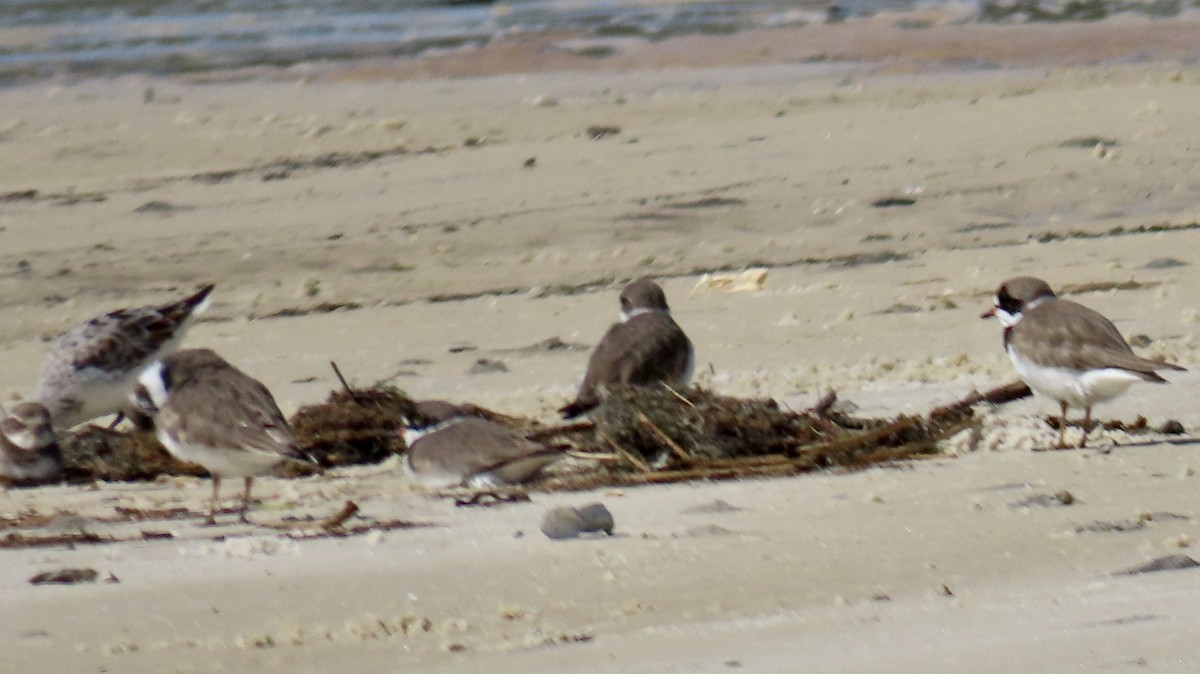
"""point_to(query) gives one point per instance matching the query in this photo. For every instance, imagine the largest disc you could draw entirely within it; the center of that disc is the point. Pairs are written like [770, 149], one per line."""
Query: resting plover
[207, 411]
[93, 367]
[1066, 351]
[646, 347]
[448, 448]
[29, 452]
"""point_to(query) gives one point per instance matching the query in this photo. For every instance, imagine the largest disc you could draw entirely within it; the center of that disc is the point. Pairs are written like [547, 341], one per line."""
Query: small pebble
[1168, 563]
[65, 577]
[566, 522]
[562, 523]
[1172, 427]
[1164, 263]
[487, 366]
[596, 517]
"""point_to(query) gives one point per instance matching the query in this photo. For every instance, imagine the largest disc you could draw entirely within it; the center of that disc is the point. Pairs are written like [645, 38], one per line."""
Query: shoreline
[941, 39]
[907, 42]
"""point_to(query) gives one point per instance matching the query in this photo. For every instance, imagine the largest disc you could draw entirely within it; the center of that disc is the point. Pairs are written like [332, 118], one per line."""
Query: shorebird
[207, 411]
[449, 448]
[646, 347]
[93, 368]
[29, 452]
[1066, 351]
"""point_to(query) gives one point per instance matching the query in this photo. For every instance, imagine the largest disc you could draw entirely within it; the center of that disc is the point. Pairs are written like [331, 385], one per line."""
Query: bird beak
[989, 313]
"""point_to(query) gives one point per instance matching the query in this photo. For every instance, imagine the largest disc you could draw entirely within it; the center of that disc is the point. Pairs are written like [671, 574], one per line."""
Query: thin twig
[638, 463]
[562, 429]
[679, 395]
[345, 385]
[592, 456]
[675, 448]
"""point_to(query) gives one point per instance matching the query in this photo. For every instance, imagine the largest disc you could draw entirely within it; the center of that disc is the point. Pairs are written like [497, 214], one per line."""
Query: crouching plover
[207, 411]
[93, 368]
[646, 347]
[1066, 351]
[29, 452]
[448, 448]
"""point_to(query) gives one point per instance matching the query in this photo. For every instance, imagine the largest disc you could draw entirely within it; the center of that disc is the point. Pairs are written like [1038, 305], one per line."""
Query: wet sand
[351, 216]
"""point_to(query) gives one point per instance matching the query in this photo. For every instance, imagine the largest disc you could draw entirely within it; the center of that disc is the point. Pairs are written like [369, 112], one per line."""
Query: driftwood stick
[749, 461]
[996, 396]
[675, 448]
[339, 518]
[843, 444]
[330, 523]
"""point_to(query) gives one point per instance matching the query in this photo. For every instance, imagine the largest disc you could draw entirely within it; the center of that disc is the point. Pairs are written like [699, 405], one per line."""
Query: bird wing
[237, 412]
[123, 339]
[473, 446]
[1081, 339]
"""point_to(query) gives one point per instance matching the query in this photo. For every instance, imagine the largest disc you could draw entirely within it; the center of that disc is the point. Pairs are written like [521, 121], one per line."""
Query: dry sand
[379, 195]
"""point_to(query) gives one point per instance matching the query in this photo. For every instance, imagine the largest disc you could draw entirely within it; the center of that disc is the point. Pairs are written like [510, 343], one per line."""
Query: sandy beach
[407, 219]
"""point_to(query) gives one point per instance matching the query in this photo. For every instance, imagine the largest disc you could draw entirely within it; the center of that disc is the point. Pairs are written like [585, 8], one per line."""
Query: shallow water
[40, 38]
[73, 38]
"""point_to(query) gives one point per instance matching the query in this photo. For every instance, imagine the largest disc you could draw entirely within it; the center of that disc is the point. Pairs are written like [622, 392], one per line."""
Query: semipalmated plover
[93, 367]
[207, 411]
[29, 452]
[1066, 351]
[646, 347]
[449, 448]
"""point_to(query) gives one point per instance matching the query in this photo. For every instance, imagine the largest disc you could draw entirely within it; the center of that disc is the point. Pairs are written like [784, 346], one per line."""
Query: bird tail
[575, 409]
[192, 304]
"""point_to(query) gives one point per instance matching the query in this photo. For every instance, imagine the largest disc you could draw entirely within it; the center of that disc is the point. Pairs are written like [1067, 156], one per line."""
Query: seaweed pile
[354, 426]
[654, 435]
[98, 454]
[640, 435]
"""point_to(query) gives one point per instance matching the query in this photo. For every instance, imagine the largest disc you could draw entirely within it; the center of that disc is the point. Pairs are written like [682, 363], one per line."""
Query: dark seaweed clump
[355, 427]
[646, 435]
[99, 454]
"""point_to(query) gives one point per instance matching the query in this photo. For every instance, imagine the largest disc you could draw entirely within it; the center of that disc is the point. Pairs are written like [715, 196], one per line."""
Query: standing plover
[1066, 351]
[93, 367]
[207, 411]
[646, 347]
[29, 452]
[449, 448]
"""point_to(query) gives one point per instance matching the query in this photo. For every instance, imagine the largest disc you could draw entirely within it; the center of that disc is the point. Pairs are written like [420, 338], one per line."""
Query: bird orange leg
[1087, 423]
[1062, 426]
[212, 505]
[246, 501]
